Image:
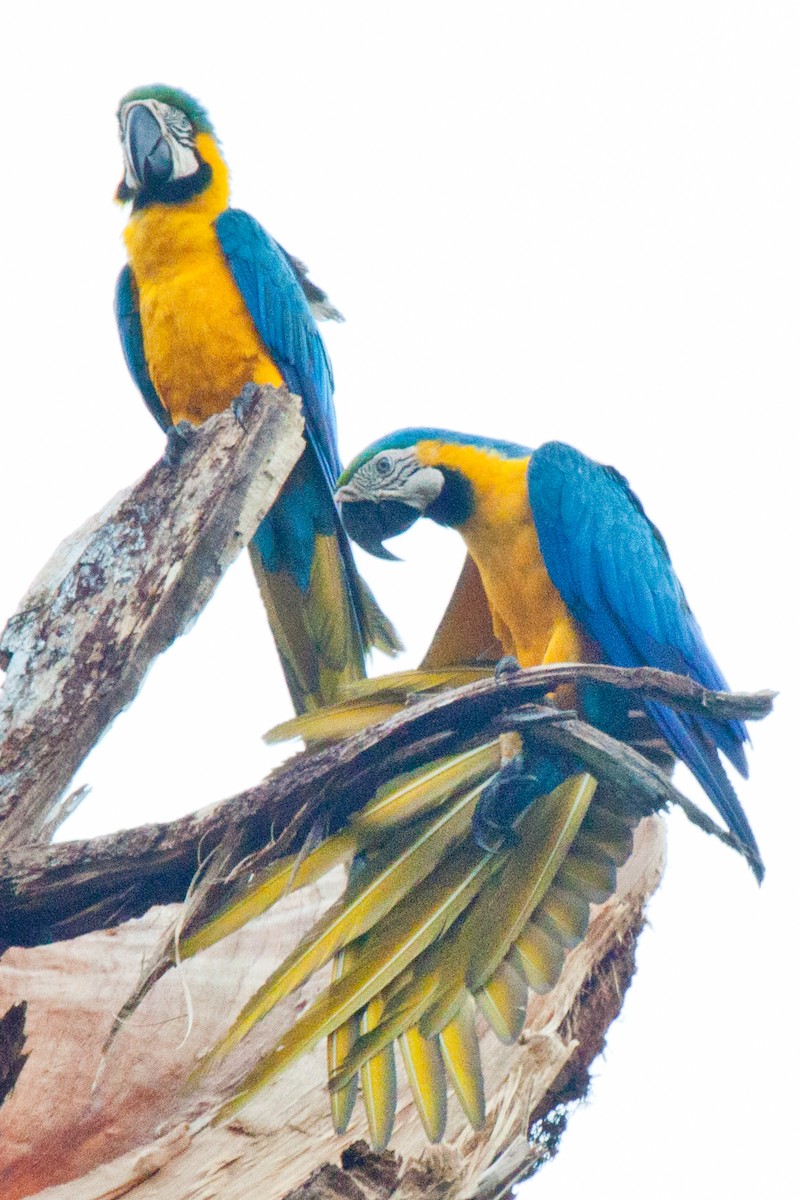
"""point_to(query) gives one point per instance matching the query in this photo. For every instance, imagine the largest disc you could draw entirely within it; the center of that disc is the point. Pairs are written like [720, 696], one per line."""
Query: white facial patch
[395, 475]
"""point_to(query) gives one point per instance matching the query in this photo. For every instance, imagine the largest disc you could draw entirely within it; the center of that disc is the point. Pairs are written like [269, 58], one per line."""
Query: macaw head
[400, 478]
[167, 142]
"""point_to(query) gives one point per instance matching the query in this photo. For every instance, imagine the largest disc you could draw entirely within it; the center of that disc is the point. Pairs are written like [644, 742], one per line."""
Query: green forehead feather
[404, 439]
[178, 99]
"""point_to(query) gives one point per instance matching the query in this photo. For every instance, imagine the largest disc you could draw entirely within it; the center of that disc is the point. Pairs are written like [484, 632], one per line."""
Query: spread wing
[613, 571]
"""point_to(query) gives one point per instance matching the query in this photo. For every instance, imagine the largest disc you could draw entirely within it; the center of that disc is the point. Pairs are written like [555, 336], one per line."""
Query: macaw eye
[383, 465]
[178, 123]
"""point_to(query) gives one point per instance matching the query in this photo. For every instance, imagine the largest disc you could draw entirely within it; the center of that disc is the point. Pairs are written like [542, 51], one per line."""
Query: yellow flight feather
[399, 801]
[365, 702]
[396, 1014]
[545, 832]
[415, 680]
[564, 915]
[340, 1043]
[334, 723]
[419, 791]
[427, 1079]
[378, 1082]
[539, 956]
[387, 880]
[411, 927]
[504, 1002]
[594, 877]
[609, 833]
[280, 878]
[485, 935]
[462, 1061]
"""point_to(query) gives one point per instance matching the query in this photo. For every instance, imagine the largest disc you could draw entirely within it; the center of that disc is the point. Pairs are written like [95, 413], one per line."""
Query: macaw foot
[507, 665]
[178, 438]
[515, 786]
[244, 403]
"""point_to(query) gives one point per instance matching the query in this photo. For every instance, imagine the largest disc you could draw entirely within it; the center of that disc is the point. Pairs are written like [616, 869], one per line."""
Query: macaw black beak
[148, 151]
[368, 523]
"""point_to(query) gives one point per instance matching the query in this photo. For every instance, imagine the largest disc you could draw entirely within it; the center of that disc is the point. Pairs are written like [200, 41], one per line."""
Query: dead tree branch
[61, 891]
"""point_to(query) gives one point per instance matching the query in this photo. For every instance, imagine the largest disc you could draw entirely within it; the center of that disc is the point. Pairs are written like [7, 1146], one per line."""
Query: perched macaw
[570, 569]
[563, 565]
[209, 303]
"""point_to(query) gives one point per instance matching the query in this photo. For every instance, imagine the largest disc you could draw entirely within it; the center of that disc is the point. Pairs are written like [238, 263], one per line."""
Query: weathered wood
[140, 1134]
[60, 891]
[119, 591]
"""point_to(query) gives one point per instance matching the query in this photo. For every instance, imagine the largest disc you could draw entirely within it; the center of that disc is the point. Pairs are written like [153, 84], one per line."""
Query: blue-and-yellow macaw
[563, 565]
[208, 303]
[569, 569]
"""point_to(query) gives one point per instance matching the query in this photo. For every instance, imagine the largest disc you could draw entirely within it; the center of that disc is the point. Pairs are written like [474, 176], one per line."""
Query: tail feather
[700, 756]
[315, 631]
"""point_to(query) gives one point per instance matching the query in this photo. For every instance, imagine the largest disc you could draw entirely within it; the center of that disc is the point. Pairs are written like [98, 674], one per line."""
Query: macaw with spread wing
[569, 569]
[440, 915]
[209, 303]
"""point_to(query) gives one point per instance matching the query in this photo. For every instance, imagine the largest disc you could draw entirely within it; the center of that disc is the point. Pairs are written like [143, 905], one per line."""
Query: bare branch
[51, 892]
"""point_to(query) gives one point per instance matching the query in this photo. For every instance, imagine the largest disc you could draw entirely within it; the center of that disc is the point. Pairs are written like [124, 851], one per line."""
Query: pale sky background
[572, 220]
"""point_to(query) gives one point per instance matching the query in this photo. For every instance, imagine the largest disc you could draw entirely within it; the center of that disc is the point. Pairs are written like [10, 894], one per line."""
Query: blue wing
[613, 571]
[273, 295]
[126, 307]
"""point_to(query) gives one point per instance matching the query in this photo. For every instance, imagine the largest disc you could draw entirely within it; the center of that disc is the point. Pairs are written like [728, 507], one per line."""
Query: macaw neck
[160, 235]
[529, 618]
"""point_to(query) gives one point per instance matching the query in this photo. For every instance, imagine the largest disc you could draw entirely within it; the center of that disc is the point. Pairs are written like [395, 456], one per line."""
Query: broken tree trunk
[119, 591]
[137, 1131]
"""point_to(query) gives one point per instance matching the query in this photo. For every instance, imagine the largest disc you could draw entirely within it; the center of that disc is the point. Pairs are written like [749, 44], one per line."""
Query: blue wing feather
[613, 570]
[126, 307]
[286, 326]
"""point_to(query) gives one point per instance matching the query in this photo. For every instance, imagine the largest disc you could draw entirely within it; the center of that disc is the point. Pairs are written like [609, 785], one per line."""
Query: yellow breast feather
[529, 617]
[200, 341]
